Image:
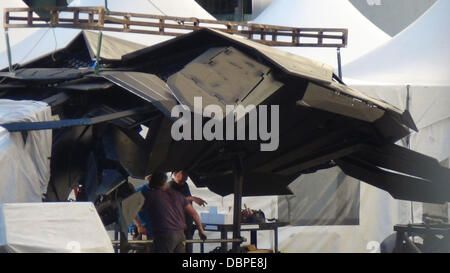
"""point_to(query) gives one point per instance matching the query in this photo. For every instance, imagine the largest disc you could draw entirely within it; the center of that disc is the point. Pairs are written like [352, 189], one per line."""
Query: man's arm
[197, 200]
[140, 227]
[191, 211]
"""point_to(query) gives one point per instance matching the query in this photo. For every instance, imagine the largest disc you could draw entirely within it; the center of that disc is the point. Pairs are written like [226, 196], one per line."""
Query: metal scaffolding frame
[98, 18]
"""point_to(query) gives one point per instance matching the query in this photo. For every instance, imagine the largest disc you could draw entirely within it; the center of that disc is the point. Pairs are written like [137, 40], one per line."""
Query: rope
[156, 7]
[26, 55]
[31, 50]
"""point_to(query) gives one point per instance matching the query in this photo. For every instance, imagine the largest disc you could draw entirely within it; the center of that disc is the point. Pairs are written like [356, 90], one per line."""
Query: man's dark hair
[157, 179]
[177, 171]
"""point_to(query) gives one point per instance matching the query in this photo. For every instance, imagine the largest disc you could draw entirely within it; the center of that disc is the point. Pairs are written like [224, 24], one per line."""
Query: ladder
[101, 19]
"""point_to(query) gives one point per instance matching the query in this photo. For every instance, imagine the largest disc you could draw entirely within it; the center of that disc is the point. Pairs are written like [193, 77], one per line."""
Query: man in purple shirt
[179, 184]
[166, 209]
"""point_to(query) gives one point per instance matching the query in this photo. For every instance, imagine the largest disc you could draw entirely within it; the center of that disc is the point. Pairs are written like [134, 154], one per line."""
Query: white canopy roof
[419, 55]
[363, 34]
[46, 40]
[17, 35]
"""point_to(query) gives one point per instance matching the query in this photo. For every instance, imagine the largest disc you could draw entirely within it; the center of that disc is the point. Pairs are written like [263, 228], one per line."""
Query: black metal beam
[48, 125]
[292, 154]
[238, 184]
[57, 99]
[400, 186]
[318, 158]
[403, 160]
[339, 63]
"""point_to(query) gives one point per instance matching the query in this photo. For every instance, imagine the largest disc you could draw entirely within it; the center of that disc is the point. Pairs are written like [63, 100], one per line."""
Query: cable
[156, 7]
[29, 52]
[56, 45]
[24, 57]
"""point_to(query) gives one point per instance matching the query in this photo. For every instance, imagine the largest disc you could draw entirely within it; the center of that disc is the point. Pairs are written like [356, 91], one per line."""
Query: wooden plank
[167, 25]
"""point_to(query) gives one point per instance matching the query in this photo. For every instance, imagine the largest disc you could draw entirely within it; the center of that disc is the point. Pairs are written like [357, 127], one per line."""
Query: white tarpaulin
[47, 40]
[429, 109]
[52, 227]
[327, 197]
[24, 158]
[378, 214]
[363, 34]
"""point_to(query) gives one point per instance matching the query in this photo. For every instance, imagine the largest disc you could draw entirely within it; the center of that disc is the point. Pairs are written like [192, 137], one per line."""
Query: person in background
[141, 223]
[166, 209]
[179, 184]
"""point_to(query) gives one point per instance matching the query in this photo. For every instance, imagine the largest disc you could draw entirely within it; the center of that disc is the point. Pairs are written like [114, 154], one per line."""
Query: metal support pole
[408, 143]
[8, 50]
[99, 50]
[339, 62]
[123, 242]
[254, 238]
[407, 107]
[224, 236]
[116, 238]
[238, 182]
[276, 239]
[239, 11]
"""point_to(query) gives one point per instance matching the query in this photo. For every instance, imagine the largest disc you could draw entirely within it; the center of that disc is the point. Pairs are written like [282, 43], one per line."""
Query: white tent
[47, 40]
[363, 34]
[18, 35]
[419, 55]
[393, 16]
[258, 6]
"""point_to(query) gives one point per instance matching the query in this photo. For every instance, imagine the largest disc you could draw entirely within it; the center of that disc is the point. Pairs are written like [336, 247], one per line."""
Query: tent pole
[339, 62]
[408, 142]
[8, 50]
[238, 182]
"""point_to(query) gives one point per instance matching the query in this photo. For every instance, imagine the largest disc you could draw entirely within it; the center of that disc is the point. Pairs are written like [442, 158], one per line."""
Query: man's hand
[199, 201]
[202, 235]
[142, 230]
[191, 211]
